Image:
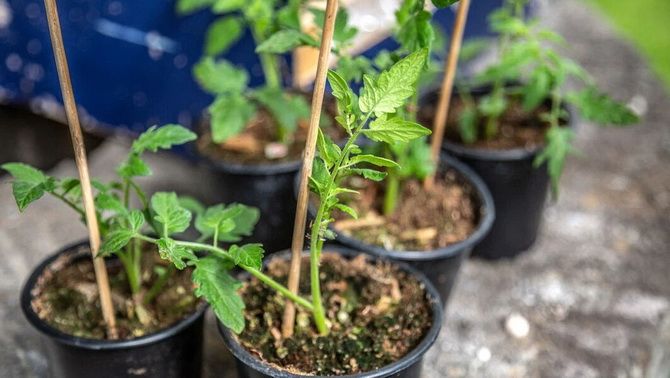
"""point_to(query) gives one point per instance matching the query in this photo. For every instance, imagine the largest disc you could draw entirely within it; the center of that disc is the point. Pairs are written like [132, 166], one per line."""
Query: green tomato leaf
[394, 129]
[250, 255]
[345, 100]
[417, 32]
[185, 7]
[135, 220]
[289, 15]
[537, 89]
[233, 222]
[346, 209]
[353, 68]
[225, 6]
[559, 145]
[598, 107]
[390, 90]
[444, 3]
[134, 166]
[191, 204]
[467, 124]
[369, 174]
[375, 160]
[219, 289]
[414, 159]
[178, 255]
[284, 41]
[329, 151]
[221, 34]
[493, 105]
[287, 109]
[115, 241]
[163, 137]
[320, 178]
[217, 77]
[107, 201]
[170, 213]
[229, 115]
[245, 220]
[29, 183]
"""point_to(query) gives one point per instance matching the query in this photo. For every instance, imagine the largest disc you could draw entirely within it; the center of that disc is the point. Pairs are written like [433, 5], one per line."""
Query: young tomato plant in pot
[513, 123]
[253, 137]
[344, 328]
[159, 319]
[432, 228]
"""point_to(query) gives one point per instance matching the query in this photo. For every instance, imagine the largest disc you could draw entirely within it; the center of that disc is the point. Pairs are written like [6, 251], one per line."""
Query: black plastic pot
[519, 192]
[172, 352]
[249, 366]
[268, 187]
[441, 266]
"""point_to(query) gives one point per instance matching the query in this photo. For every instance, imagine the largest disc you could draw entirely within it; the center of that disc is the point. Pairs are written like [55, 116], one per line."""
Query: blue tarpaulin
[130, 60]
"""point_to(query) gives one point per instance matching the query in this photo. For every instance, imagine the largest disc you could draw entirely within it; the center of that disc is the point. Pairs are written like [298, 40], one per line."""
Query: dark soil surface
[66, 297]
[258, 142]
[378, 315]
[424, 220]
[517, 128]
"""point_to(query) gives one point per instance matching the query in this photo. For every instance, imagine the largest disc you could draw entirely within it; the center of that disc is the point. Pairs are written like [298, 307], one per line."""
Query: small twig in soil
[371, 220]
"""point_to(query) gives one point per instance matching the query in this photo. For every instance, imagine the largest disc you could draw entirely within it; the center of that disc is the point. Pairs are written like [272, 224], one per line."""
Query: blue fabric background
[130, 60]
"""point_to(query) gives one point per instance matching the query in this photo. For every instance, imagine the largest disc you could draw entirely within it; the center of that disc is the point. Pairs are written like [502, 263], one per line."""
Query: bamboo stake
[440, 121]
[308, 158]
[82, 165]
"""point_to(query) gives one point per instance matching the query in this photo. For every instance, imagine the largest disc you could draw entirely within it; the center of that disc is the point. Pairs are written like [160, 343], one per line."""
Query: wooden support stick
[82, 166]
[440, 120]
[308, 158]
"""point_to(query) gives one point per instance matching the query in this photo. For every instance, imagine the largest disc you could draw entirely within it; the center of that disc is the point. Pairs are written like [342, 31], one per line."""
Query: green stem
[268, 63]
[157, 287]
[132, 275]
[71, 204]
[253, 271]
[137, 259]
[318, 313]
[318, 228]
[392, 190]
[555, 114]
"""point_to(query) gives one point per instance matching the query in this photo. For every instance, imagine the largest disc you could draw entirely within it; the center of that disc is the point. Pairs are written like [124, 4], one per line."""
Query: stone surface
[595, 288]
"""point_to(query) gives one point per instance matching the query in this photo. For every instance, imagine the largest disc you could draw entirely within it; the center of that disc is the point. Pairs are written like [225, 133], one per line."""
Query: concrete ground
[594, 290]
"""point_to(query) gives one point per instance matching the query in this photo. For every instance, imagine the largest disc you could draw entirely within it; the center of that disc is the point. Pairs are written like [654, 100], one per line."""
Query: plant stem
[131, 274]
[315, 284]
[318, 228]
[268, 63]
[391, 194]
[71, 204]
[253, 271]
[392, 186]
[157, 287]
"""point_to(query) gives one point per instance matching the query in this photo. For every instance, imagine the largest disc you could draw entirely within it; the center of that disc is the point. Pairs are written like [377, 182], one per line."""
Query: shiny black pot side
[519, 191]
[174, 352]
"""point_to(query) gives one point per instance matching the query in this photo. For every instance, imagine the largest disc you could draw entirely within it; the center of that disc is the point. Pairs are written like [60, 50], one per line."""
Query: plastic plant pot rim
[487, 209]
[263, 169]
[409, 359]
[85, 343]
